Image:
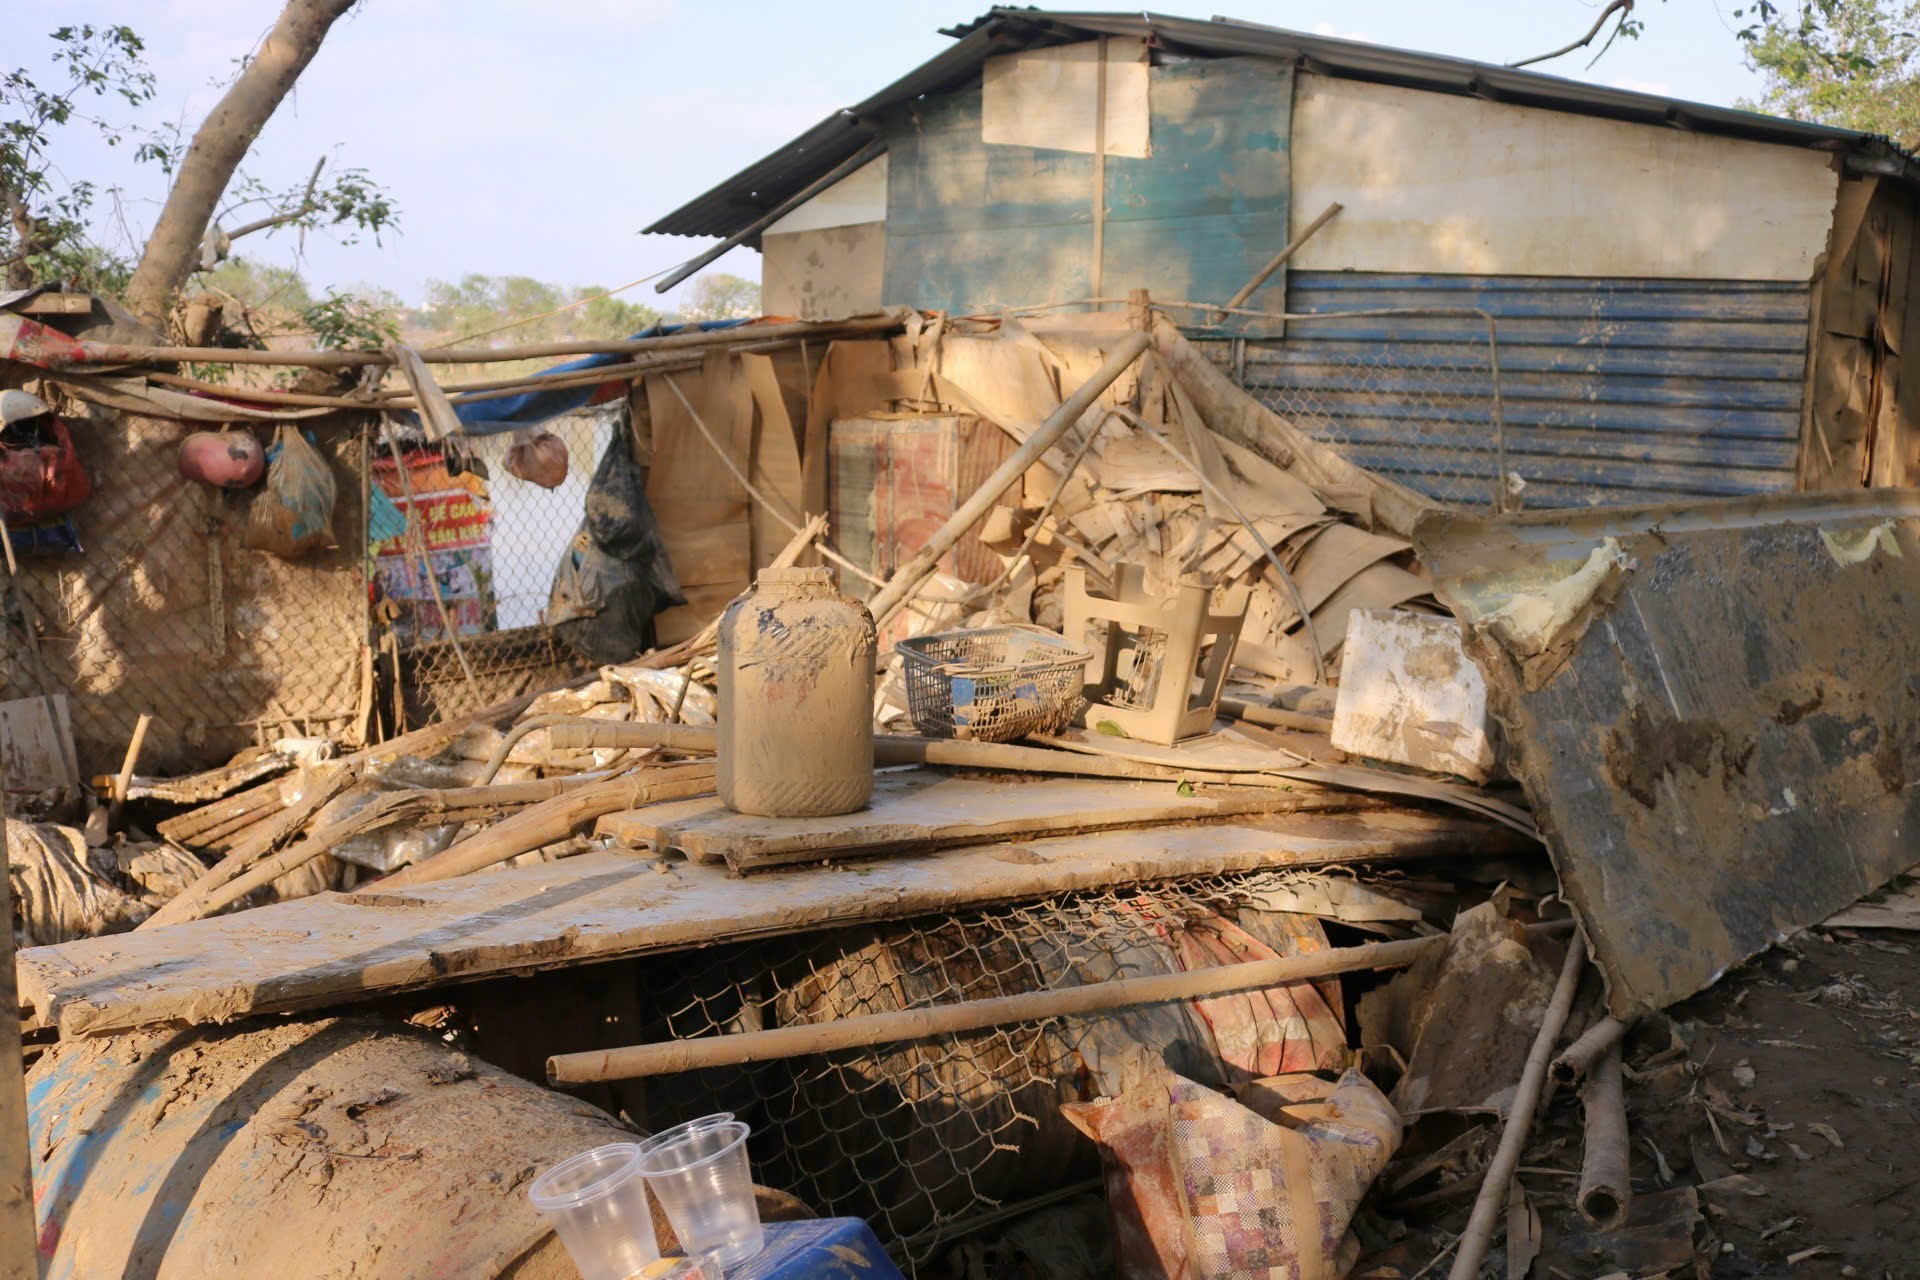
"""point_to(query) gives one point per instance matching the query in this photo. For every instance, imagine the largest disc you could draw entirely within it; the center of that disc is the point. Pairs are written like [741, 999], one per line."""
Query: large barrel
[320, 1148]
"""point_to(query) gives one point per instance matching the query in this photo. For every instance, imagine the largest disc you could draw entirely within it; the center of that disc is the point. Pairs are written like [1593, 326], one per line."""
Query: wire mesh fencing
[933, 1138]
[147, 599]
[462, 578]
[1415, 396]
[153, 598]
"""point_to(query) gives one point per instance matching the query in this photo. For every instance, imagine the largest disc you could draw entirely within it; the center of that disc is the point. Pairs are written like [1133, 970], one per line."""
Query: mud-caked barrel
[796, 698]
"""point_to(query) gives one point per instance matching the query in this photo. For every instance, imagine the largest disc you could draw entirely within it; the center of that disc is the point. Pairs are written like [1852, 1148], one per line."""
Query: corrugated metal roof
[735, 203]
[1614, 391]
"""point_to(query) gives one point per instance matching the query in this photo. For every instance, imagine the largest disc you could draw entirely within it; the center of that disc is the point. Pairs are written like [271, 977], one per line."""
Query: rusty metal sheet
[1714, 708]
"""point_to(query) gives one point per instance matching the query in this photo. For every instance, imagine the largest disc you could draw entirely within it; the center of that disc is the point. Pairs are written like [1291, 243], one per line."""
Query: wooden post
[1139, 311]
[19, 1238]
[124, 782]
[1099, 169]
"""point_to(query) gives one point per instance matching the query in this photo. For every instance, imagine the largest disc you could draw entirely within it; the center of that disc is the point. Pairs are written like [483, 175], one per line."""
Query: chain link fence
[935, 1138]
[147, 599]
[472, 634]
[1428, 414]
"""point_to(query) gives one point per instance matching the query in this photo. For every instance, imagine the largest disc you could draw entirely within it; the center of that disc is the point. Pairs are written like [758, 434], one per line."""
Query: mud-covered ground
[1788, 1095]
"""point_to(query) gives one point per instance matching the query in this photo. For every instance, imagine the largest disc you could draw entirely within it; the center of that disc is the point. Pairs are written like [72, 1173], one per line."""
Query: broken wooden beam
[556, 819]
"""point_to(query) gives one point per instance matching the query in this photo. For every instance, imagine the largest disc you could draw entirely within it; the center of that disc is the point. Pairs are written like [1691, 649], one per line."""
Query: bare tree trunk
[223, 140]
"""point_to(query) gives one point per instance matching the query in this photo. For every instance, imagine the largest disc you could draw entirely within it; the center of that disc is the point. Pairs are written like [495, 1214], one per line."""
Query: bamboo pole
[907, 579]
[1279, 259]
[1274, 717]
[1492, 1200]
[671, 1056]
[1579, 1057]
[1606, 1186]
[315, 358]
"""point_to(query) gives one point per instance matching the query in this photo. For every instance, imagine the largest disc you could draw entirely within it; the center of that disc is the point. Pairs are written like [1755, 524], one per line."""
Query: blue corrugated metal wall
[978, 226]
[1616, 391]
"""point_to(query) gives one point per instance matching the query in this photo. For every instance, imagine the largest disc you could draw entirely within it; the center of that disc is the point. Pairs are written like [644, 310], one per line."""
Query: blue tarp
[488, 417]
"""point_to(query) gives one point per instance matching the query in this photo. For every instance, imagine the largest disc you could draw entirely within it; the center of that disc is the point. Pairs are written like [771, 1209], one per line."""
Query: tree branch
[306, 206]
[219, 145]
[1622, 7]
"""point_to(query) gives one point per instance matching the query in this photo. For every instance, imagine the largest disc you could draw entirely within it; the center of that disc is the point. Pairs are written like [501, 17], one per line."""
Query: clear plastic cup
[597, 1203]
[684, 1127]
[701, 1177]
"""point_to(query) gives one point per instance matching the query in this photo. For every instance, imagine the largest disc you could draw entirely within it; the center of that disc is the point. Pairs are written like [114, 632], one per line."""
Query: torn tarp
[488, 417]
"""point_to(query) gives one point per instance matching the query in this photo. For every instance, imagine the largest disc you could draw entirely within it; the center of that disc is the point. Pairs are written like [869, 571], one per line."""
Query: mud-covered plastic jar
[796, 698]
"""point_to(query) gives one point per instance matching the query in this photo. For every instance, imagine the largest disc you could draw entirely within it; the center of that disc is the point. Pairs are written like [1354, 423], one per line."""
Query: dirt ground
[1788, 1094]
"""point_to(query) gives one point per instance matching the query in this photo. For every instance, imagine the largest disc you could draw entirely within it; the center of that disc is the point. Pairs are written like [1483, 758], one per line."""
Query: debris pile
[1250, 935]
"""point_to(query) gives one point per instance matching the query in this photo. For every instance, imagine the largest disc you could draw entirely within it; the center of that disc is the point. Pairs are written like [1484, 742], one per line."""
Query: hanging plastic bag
[293, 515]
[225, 459]
[618, 516]
[538, 458]
[602, 606]
[41, 475]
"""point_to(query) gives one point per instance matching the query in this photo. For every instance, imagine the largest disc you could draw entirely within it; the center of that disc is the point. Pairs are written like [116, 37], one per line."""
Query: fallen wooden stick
[556, 819]
[1606, 1186]
[443, 807]
[1492, 1200]
[581, 733]
[324, 786]
[1579, 1057]
[671, 1056]
[1275, 717]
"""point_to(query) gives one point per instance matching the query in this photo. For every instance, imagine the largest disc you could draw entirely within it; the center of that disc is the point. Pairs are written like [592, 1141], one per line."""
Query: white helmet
[18, 406]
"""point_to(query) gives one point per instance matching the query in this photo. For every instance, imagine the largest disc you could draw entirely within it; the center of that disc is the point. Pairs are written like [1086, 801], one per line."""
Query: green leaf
[1111, 729]
[1186, 788]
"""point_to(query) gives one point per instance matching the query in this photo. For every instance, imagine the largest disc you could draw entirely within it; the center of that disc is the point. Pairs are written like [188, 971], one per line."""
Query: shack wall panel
[1436, 182]
[825, 273]
[973, 226]
[1612, 390]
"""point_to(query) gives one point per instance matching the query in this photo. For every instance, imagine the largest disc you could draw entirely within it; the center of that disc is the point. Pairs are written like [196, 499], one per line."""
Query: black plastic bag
[614, 575]
[618, 516]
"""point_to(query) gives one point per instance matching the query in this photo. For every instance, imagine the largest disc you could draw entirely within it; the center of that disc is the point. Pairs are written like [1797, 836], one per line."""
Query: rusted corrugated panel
[1615, 391]
[1714, 711]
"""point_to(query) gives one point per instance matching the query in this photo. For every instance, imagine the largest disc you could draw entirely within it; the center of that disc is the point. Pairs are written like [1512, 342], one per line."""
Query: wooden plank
[846, 367]
[36, 752]
[702, 509]
[775, 469]
[926, 808]
[335, 948]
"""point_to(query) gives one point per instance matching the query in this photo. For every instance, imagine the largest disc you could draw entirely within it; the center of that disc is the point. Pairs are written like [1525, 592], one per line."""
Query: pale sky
[536, 137]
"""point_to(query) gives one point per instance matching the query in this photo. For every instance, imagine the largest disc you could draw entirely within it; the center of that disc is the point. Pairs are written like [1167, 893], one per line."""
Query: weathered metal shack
[1686, 300]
